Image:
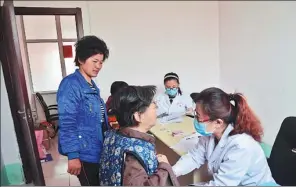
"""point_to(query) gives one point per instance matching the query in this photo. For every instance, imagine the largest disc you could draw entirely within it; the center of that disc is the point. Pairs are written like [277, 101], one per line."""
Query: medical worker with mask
[229, 144]
[173, 103]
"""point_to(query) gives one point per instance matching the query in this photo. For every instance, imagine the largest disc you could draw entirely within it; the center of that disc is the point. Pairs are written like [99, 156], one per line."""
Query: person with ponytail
[229, 144]
[173, 103]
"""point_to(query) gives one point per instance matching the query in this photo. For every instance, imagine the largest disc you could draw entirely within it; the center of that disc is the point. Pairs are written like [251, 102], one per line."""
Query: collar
[225, 135]
[85, 84]
[136, 134]
[215, 151]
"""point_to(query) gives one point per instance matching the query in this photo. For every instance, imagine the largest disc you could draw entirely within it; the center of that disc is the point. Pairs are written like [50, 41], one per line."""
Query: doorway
[25, 74]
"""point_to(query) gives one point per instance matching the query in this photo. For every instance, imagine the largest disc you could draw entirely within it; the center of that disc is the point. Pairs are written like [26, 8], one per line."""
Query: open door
[11, 61]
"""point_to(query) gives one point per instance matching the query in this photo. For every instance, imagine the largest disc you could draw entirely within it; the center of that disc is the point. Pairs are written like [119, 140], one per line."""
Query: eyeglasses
[203, 121]
[200, 121]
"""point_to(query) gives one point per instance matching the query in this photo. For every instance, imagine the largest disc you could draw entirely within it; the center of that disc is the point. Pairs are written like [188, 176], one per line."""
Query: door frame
[16, 83]
[42, 11]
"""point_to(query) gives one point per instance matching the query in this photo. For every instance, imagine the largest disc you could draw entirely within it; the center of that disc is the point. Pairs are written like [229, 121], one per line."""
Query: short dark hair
[194, 96]
[172, 76]
[116, 86]
[129, 100]
[88, 46]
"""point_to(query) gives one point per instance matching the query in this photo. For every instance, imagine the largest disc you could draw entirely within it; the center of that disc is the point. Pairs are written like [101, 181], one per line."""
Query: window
[45, 37]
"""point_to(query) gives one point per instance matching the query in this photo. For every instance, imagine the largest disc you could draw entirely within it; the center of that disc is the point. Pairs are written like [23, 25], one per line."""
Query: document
[171, 118]
[187, 143]
[198, 184]
[162, 115]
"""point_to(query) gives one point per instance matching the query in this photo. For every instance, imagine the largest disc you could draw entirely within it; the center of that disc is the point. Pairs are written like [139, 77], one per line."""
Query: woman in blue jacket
[82, 112]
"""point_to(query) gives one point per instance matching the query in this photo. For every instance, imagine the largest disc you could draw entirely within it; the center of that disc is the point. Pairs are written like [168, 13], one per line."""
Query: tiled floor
[55, 172]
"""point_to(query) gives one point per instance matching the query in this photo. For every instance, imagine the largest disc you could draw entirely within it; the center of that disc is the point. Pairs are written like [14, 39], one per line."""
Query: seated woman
[230, 143]
[173, 103]
[115, 87]
[129, 156]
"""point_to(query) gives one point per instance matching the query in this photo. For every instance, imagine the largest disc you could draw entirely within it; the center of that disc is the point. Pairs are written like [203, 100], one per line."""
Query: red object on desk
[177, 133]
[67, 50]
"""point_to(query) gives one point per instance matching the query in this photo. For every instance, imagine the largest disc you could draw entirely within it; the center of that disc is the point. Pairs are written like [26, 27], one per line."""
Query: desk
[164, 141]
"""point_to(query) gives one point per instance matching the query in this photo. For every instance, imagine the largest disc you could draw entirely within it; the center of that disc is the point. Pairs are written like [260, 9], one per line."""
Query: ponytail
[179, 91]
[245, 121]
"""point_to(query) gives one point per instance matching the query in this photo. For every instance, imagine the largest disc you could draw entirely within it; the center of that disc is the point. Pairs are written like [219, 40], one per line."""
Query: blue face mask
[171, 91]
[201, 128]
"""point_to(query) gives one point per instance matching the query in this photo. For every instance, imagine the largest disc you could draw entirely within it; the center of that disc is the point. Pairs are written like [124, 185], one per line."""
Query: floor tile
[59, 180]
[74, 181]
[55, 171]
[54, 168]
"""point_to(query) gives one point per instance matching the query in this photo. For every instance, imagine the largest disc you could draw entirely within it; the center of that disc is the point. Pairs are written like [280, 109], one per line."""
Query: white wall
[9, 145]
[149, 39]
[258, 57]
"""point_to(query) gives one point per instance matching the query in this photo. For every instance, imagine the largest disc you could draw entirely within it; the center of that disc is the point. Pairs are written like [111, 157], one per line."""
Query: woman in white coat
[173, 103]
[230, 142]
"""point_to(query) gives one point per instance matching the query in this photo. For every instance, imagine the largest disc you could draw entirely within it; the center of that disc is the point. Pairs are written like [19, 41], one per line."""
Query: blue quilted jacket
[80, 126]
[112, 160]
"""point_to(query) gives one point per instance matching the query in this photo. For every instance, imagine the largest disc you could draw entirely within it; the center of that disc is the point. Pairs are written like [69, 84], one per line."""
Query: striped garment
[102, 107]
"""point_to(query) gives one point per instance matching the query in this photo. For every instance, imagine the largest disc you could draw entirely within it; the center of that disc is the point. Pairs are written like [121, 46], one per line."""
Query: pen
[190, 138]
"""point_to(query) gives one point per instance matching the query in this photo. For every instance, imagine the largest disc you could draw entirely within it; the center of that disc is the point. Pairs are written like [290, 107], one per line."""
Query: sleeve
[194, 159]
[135, 175]
[68, 104]
[160, 107]
[232, 169]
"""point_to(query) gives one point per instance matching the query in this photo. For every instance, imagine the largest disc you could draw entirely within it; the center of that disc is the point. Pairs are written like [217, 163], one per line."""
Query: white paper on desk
[172, 118]
[164, 121]
[198, 184]
[187, 143]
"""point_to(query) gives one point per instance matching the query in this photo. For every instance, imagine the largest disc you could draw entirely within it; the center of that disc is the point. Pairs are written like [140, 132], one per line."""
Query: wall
[149, 39]
[4, 178]
[10, 160]
[257, 57]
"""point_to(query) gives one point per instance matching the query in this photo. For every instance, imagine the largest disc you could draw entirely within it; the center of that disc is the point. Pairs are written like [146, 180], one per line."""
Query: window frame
[57, 12]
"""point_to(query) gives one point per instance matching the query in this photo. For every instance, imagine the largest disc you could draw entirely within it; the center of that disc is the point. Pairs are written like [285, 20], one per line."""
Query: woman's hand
[162, 158]
[74, 166]
[189, 111]
[114, 125]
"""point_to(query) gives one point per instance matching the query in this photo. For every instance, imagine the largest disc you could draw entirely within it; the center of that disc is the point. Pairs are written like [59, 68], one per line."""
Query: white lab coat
[179, 105]
[236, 160]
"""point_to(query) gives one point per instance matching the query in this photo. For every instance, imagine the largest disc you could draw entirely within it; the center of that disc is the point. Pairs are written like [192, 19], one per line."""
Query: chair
[47, 110]
[282, 161]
